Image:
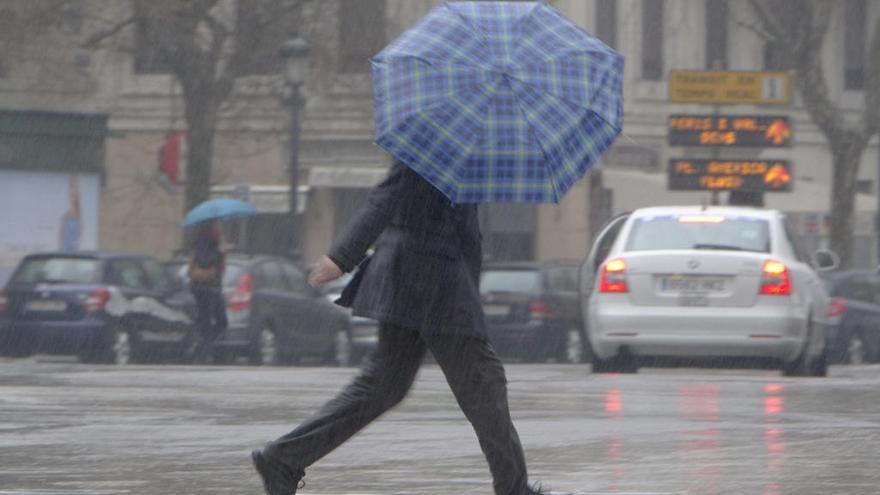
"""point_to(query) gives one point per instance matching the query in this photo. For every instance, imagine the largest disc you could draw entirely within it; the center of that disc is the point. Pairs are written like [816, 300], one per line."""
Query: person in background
[71, 222]
[205, 272]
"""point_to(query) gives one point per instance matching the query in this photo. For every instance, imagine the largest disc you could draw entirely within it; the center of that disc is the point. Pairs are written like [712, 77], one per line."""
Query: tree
[208, 45]
[799, 28]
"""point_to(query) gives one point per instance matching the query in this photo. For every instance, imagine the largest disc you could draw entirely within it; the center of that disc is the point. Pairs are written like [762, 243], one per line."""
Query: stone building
[138, 209]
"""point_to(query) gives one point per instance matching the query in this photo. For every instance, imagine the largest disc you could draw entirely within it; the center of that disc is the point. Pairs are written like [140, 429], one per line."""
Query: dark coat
[425, 270]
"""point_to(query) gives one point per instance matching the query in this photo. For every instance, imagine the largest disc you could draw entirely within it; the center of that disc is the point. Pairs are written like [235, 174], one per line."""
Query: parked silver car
[707, 283]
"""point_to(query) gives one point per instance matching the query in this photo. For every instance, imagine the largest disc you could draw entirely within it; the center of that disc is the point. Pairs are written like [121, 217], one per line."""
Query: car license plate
[693, 300]
[46, 305]
[680, 283]
[496, 309]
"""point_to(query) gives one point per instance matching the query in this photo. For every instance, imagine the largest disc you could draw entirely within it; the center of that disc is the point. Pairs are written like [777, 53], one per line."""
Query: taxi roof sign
[730, 87]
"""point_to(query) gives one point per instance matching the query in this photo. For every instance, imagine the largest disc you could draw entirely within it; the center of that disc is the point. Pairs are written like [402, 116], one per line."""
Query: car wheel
[342, 354]
[800, 366]
[15, 348]
[224, 356]
[264, 351]
[621, 363]
[819, 367]
[855, 350]
[117, 349]
[122, 348]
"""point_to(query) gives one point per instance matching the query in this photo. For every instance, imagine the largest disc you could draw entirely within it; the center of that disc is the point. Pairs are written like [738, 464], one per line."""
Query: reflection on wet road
[75, 429]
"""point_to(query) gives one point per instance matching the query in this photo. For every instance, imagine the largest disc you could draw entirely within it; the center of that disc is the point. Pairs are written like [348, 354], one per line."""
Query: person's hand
[325, 270]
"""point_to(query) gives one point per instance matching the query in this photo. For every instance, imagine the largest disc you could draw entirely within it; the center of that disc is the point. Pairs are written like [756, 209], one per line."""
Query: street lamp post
[295, 54]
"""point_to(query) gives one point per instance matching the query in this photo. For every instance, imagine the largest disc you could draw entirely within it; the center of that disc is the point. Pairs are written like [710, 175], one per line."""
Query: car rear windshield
[711, 232]
[233, 272]
[57, 270]
[509, 281]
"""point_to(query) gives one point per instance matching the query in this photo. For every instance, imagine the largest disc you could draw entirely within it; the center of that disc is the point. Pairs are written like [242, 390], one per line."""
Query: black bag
[346, 299]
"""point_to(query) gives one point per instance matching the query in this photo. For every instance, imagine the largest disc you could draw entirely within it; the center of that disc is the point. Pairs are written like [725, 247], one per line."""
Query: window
[128, 274]
[860, 290]
[693, 232]
[233, 273]
[606, 22]
[652, 39]
[795, 241]
[74, 270]
[855, 19]
[874, 282]
[295, 278]
[269, 277]
[157, 277]
[148, 57]
[609, 234]
[563, 279]
[510, 281]
[361, 34]
[716, 34]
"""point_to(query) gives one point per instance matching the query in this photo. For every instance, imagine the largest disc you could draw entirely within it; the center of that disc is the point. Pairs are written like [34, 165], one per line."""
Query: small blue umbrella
[221, 208]
[498, 101]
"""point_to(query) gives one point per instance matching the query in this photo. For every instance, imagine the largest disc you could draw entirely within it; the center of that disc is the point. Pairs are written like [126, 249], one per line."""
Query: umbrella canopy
[498, 101]
[221, 208]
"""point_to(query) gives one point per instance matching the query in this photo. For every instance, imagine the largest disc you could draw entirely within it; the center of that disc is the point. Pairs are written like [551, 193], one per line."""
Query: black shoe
[278, 478]
[536, 490]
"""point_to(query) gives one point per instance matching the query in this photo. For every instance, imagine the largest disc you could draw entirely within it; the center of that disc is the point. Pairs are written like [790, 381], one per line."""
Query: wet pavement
[67, 428]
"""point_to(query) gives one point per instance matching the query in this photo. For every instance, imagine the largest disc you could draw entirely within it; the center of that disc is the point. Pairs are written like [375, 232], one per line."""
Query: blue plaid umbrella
[498, 101]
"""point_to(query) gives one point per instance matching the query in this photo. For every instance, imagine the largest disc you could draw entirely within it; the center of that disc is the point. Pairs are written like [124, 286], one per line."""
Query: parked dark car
[853, 334]
[364, 331]
[104, 307]
[275, 316]
[532, 311]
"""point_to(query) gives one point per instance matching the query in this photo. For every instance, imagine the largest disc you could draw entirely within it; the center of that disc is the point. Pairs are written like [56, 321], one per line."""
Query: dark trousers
[472, 370]
[211, 317]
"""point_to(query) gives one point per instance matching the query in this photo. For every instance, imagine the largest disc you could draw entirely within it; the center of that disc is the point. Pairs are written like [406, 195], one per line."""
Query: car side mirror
[826, 260]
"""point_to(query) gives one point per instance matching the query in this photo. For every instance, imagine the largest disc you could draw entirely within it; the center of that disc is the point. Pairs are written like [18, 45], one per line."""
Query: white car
[704, 282]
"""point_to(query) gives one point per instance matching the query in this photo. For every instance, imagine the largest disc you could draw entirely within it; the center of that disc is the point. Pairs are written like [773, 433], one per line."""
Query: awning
[266, 199]
[52, 142]
[346, 177]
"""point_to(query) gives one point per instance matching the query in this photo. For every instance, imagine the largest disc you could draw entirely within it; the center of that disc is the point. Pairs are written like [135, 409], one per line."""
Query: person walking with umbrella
[205, 272]
[467, 124]
[206, 267]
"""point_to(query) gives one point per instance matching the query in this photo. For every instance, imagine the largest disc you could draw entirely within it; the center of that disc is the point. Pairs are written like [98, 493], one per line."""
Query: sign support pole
[716, 154]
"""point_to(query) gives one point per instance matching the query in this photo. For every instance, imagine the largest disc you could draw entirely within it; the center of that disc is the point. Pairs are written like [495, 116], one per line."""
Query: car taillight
[836, 307]
[240, 299]
[4, 301]
[538, 309]
[775, 280]
[613, 277]
[97, 300]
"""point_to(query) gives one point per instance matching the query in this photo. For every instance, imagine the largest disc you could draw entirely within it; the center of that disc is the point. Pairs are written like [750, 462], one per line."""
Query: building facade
[141, 209]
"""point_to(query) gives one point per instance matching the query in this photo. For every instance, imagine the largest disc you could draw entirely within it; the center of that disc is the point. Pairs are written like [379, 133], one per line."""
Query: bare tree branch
[800, 29]
[94, 40]
[768, 19]
[764, 35]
